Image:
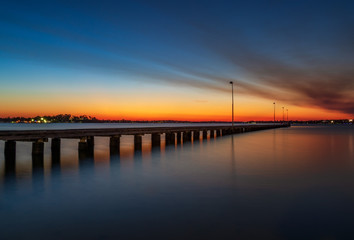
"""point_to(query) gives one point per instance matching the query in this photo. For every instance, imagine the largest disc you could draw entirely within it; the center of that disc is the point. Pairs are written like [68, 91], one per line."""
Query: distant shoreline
[68, 118]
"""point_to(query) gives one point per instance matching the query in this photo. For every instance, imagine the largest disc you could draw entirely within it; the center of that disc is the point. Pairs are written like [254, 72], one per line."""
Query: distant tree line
[60, 118]
[337, 121]
[68, 118]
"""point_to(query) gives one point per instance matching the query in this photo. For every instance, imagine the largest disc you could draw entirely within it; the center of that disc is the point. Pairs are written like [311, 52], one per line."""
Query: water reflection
[38, 173]
[102, 151]
[56, 163]
[55, 158]
[10, 167]
[253, 184]
[351, 145]
[233, 157]
[38, 164]
[113, 158]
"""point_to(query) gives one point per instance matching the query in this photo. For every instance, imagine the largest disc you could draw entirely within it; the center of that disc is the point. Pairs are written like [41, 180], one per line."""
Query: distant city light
[350, 120]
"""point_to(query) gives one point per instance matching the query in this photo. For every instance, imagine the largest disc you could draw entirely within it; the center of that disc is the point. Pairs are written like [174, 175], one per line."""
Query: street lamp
[274, 113]
[232, 93]
[283, 114]
[287, 115]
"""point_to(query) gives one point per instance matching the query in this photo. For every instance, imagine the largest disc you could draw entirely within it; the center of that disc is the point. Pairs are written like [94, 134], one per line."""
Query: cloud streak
[291, 66]
[268, 50]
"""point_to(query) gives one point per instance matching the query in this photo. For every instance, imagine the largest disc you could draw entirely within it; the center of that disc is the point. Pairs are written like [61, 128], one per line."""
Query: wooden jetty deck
[172, 135]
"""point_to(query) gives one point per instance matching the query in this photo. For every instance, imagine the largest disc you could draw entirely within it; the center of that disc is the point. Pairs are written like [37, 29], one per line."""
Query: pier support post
[10, 158]
[10, 149]
[83, 148]
[91, 141]
[38, 155]
[91, 146]
[170, 138]
[205, 134]
[114, 145]
[138, 142]
[217, 132]
[55, 146]
[223, 132]
[82, 144]
[37, 163]
[190, 136]
[155, 140]
[38, 147]
[10, 166]
[167, 139]
[212, 133]
[173, 138]
[178, 134]
[196, 135]
[187, 136]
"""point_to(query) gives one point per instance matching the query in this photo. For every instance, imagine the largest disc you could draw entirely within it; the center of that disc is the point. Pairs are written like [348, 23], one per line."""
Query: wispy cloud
[268, 50]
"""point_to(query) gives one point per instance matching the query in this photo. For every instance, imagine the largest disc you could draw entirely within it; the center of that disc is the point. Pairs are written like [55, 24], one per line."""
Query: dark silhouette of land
[68, 118]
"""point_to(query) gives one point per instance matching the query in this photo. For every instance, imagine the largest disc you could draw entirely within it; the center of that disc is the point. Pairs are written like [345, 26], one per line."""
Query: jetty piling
[187, 136]
[87, 138]
[196, 135]
[179, 135]
[156, 140]
[114, 145]
[138, 142]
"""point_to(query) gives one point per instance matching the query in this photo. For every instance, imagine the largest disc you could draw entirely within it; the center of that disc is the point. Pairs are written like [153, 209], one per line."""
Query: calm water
[291, 183]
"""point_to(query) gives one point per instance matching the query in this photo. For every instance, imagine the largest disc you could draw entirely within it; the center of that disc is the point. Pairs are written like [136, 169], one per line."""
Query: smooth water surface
[287, 183]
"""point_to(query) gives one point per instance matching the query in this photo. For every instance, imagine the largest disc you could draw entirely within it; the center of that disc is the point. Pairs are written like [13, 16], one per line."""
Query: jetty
[171, 136]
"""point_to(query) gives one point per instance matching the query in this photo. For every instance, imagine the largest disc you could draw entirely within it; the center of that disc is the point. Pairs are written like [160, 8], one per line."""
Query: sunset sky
[145, 60]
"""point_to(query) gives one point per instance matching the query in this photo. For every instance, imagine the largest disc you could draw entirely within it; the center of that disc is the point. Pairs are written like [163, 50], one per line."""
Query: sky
[154, 60]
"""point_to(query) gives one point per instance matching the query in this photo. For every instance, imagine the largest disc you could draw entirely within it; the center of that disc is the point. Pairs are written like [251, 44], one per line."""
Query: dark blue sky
[298, 52]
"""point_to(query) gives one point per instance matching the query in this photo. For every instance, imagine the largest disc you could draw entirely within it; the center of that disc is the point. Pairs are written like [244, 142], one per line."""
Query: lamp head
[231, 82]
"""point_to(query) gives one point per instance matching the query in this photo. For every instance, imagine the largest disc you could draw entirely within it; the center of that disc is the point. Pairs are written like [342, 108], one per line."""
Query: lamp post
[287, 115]
[283, 114]
[232, 93]
[274, 113]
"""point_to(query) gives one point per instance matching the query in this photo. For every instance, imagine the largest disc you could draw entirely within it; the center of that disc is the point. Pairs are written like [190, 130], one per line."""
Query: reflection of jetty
[172, 136]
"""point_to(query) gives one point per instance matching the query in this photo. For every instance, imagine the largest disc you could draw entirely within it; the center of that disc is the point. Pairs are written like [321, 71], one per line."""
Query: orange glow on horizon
[174, 105]
[239, 116]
